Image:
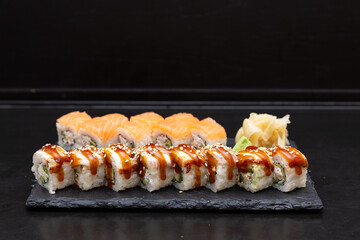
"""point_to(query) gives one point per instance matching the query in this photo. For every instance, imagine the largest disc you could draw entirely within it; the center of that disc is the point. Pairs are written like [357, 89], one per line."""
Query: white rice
[85, 180]
[188, 178]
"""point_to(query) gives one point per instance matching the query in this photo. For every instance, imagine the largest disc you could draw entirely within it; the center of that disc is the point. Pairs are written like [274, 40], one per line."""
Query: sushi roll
[89, 166]
[171, 132]
[255, 169]
[290, 168]
[121, 168]
[207, 132]
[68, 127]
[221, 165]
[96, 132]
[190, 170]
[149, 118]
[52, 168]
[183, 117]
[131, 134]
[117, 119]
[155, 167]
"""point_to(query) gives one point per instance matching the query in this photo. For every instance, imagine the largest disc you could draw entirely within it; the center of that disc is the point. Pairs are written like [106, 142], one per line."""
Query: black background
[241, 49]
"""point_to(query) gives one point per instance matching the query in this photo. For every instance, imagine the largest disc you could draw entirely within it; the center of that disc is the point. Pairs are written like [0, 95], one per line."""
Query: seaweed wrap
[52, 168]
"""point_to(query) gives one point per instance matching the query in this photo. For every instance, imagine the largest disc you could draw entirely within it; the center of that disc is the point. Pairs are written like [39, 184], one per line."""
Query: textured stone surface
[235, 198]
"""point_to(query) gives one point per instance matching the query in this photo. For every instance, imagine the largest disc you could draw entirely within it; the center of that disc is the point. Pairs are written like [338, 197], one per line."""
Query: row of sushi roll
[78, 129]
[152, 167]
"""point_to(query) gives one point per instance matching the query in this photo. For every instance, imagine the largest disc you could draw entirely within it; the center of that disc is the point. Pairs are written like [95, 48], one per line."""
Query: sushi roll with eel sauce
[255, 169]
[121, 168]
[190, 169]
[220, 161]
[89, 166]
[155, 167]
[290, 168]
[52, 168]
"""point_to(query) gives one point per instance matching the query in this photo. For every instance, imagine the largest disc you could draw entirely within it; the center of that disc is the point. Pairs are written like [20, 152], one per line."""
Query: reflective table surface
[327, 134]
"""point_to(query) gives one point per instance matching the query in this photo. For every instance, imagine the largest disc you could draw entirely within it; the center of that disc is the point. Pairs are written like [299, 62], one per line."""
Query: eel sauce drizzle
[196, 161]
[157, 152]
[293, 156]
[212, 161]
[253, 155]
[60, 156]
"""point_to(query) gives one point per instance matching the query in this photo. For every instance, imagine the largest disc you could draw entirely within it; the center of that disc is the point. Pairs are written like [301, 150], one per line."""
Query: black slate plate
[234, 198]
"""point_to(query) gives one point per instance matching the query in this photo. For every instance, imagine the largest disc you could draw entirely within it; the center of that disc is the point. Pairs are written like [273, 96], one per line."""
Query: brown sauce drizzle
[211, 166]
[94, 162]
[195, 160]
[254, 156]
[229, 158]
[60, 156]
[158, 153]
[89, 153]
[125, 155]
[293, 156]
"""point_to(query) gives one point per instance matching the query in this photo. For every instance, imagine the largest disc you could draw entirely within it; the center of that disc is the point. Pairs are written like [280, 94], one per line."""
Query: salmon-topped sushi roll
[121, 167]
[155, 167]
[190, 169]
[131, 134]
[290, 168]
[68, 127]
[207, 132]
[221, 165]
[116, 118]
[149, 118]
[52, 168]
[184, 117]
[89, 167]
[171, 133]
[255, 169]
[96, 132]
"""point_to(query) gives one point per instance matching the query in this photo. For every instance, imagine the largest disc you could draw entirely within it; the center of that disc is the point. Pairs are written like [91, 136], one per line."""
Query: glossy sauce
[229, 158]
[293, 156]
[212, 162]
[60, 156]
[158, 153]
[89, 153]
[195, 160]
[125, 155]
[254, 156]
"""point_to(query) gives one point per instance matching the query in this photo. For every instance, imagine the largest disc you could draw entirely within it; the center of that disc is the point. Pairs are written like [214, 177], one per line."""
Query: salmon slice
[184, 117]
[103, 128]
[138, 130]
[211, 129]
[177, 129]
[149, 118]
[117, 118]
[74, 119]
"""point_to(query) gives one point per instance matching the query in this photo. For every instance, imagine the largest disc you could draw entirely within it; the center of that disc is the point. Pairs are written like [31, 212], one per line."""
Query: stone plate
[234, 198]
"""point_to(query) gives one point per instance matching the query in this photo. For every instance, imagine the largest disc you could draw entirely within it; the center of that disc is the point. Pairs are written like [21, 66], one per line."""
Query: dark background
[179, 50]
